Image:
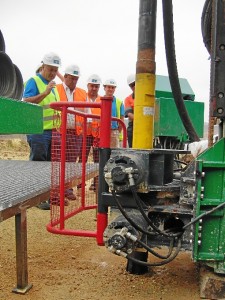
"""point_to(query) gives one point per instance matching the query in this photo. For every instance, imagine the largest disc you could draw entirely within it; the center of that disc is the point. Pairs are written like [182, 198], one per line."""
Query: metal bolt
[220, 110]
[220, 95]
[203, 174]
[199, 242]
[202, 188]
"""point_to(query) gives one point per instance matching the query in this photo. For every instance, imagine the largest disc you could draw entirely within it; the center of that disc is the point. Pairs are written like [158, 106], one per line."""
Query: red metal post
[105, 133]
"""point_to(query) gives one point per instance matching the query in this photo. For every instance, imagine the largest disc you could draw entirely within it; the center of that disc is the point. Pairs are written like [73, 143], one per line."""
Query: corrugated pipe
[18, 92]
[2, 42]
[11, 80]
[206, 23]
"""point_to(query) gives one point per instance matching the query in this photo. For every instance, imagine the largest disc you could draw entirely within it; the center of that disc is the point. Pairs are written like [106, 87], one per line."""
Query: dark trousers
[130, 135]
[40, 146]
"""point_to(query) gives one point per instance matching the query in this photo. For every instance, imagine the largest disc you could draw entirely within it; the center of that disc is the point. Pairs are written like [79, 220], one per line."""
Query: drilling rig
[158, 202]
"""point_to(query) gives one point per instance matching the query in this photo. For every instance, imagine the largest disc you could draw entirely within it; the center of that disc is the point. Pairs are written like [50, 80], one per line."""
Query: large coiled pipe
[2, 42]
[18, 92]
[7, 76]
[172, 69]
[206, 24]
[11, 80]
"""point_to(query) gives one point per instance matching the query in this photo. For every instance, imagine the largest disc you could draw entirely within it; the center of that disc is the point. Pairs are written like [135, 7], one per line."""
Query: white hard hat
[52, 59]
[94, 79]
[130, 79]
[73, 70]
[110, 82]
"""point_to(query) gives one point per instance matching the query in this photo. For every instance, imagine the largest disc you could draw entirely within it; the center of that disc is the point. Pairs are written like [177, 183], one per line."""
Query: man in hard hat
[129, 108]
[41, 90]
[68, 91]
[92, 139]
[117, 111]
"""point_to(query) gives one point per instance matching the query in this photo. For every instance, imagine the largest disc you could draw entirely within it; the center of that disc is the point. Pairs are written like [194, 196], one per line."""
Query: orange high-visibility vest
[78, 95]
[93, 126]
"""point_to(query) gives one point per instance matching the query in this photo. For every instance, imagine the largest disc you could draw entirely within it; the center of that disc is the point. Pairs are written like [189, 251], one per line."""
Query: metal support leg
[21, 253]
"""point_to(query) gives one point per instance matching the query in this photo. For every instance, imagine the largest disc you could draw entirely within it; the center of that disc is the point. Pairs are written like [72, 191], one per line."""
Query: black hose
[143, 231]
[161, 263]
[126, 216]
[156, 253]
[204, 215]
[138, 202]
[172, 69]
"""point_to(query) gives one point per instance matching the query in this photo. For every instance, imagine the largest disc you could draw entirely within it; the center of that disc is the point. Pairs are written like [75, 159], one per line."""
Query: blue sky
[101, 37]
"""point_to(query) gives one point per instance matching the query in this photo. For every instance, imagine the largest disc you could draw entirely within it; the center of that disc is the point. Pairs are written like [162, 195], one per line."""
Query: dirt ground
[74, 268]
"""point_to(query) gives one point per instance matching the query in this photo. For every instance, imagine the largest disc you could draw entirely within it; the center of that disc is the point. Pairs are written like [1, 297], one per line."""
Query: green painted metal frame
[209, 242]
[18, 117]
[167, 121]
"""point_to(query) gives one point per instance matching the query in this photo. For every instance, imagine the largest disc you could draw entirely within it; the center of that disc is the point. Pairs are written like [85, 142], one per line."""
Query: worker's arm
[129, 111]
[60, 76]
[130, 116]
[37, 98]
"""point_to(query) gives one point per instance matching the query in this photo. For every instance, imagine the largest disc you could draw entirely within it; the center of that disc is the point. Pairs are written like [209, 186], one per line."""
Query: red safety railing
[75, 169]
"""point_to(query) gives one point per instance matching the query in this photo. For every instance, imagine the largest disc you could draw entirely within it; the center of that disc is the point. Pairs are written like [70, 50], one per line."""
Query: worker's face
[109, 90]
[49, 72]
[93, 90]
[132, 86]
[70, 81]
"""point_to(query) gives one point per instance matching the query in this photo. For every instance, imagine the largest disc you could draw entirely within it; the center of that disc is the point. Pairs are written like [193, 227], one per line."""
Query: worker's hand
[49, 87]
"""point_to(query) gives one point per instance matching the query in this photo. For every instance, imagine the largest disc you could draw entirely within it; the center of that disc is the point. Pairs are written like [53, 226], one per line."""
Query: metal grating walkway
[22, 180]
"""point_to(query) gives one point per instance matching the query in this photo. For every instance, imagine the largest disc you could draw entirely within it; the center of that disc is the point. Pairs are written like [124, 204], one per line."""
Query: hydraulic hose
[126, 216]
[144, 231]
[138, 202]
[204, 215]
[155, 253]
[172, 69]
[161, 263]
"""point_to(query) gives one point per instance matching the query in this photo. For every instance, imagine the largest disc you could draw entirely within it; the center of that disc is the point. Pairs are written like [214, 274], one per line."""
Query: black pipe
[2, 42]
[7, 76]
[172, 69]
[206, 24]
[18, 92]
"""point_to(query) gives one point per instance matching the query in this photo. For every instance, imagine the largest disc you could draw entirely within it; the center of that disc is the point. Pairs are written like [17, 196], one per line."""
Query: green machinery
[158, 202]
[173, 134]
[20, 117]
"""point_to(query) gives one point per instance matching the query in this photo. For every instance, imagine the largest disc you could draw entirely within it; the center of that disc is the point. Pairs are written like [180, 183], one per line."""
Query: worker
[117, 111]
[92, 139]
[41, 90]
[129, 108]
[68, 91]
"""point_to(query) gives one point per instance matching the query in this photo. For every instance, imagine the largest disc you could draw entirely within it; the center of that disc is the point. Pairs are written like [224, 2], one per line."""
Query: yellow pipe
[144, 108]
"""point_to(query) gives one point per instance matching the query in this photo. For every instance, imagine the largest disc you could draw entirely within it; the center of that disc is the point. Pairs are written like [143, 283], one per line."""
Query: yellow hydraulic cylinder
[144, 104]
[143, 131]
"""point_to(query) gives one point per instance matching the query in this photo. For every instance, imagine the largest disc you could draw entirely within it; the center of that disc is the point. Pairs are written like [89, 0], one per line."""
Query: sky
[101, 36]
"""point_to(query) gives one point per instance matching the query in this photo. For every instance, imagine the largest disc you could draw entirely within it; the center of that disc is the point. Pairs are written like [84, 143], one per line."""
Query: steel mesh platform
[22, 180]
